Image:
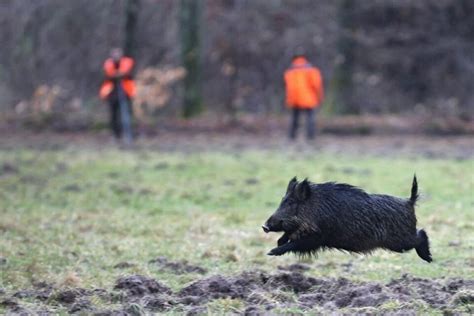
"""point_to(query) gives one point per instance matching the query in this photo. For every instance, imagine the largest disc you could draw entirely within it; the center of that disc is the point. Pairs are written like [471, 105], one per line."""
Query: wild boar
[341, 216]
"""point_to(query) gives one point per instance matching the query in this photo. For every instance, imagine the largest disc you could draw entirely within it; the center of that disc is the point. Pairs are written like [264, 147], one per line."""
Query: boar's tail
[423, 248]
[414, 192]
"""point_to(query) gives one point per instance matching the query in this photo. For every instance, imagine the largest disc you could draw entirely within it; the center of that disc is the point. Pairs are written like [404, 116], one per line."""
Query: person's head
[116, 53]
[299, 52]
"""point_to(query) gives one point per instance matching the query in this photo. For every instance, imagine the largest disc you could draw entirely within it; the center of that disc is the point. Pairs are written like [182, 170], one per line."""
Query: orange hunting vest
[304, 85]
[125, 67]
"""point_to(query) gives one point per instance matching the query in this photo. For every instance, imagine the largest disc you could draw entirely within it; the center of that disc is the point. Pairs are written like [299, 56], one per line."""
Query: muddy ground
[234, 141]
[259, 292]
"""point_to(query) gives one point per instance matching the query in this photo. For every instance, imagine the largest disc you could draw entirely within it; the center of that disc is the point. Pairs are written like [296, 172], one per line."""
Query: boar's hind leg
[304, 245]
[283, 239]
[423, 247]
[420, 242]
[402, 246]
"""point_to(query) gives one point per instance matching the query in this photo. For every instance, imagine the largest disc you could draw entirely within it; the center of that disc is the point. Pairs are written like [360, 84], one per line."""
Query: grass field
[70, 216]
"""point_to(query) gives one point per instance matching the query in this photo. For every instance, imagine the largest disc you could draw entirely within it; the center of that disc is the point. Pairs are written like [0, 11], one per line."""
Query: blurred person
[304, 93]
[118, 69]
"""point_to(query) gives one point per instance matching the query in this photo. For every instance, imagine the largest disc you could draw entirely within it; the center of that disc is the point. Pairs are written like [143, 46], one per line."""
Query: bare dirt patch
[259, 291]
[139, 285]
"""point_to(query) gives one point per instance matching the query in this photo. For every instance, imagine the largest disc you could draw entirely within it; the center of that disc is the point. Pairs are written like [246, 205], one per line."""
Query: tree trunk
[131, 12]
[342, 84]
[190, 18]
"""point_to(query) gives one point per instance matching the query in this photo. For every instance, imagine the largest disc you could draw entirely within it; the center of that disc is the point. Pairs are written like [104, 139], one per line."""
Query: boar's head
[290, 214]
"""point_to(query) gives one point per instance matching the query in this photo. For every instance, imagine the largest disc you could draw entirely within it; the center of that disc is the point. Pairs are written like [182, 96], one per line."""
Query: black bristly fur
[341, 216]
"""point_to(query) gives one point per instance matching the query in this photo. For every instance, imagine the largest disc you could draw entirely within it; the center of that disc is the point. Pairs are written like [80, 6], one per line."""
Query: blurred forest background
[399, 57]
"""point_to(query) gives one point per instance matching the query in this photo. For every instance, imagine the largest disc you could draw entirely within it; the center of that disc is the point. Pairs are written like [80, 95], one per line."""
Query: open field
[174, 225]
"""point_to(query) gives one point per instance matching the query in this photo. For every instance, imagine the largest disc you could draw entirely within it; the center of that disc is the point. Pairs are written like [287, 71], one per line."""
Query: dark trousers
[310, 122]
[115, 116]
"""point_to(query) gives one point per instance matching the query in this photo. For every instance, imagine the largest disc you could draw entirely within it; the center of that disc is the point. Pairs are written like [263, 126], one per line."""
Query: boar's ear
[291, 185]
[303, 190]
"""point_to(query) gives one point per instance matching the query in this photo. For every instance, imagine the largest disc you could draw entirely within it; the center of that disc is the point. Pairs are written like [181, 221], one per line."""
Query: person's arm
[126, 68]
[287, 91]
[109, 70]
[317, 82]
[321, 87]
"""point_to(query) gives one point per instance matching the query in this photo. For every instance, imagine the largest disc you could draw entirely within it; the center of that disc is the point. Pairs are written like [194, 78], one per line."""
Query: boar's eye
[287, 201]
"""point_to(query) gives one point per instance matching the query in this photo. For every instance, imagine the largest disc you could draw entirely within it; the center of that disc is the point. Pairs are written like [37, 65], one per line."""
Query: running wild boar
[340, 216]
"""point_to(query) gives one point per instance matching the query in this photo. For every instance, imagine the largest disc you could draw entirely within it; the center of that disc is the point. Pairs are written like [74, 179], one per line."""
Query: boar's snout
[272, 225]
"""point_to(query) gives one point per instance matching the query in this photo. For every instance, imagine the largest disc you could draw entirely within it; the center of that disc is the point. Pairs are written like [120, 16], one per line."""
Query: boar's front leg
[278, 251]
[306, 244]
[283, 239]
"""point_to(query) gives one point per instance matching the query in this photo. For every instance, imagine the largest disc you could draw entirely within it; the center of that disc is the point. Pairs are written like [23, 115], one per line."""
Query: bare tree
[190, 20]
[131, 12]
[342, 89]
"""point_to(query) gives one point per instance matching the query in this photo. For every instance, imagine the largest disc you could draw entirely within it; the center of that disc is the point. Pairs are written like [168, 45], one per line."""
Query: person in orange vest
[117, 69]
[304, 93]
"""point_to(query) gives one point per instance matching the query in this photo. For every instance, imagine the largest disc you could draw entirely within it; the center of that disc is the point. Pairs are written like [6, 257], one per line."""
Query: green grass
[80, 211]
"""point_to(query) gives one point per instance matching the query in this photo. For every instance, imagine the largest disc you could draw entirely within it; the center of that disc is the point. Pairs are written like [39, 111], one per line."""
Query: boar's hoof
[276, 252]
